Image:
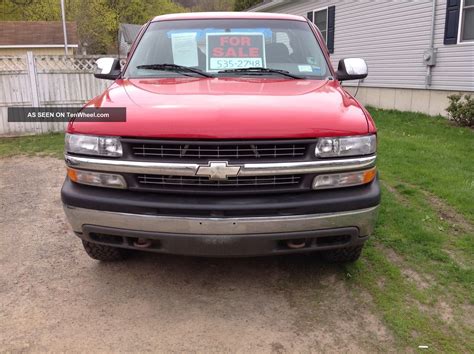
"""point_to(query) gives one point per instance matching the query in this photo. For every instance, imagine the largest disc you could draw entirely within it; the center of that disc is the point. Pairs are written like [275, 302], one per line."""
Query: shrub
[461, 111]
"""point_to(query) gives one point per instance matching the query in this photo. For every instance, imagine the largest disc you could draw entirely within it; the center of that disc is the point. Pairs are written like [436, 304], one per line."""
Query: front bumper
[223, 225]
[249, 236]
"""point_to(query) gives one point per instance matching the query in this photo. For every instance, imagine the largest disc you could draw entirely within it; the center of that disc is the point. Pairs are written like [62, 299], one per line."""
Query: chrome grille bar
[190, 169]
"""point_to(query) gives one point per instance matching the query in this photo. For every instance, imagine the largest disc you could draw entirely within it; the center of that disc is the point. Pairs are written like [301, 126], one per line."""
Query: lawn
[418, 267]
[46, 145]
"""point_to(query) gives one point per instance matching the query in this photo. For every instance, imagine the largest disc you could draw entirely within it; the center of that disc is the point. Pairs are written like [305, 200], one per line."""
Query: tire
[343, 255]
[103, 253]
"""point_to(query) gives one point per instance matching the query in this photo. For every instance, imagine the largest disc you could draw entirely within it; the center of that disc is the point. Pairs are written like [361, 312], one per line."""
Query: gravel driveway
[53, 297]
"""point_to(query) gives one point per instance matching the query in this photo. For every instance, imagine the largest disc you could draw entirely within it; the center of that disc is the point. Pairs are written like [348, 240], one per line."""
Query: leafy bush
[461, 111]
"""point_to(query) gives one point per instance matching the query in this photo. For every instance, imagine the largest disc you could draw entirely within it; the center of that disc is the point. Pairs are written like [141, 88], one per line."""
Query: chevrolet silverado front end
[239, 141]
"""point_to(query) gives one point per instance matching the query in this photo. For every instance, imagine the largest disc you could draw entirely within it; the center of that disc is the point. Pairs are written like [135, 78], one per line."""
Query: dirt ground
[53, 297]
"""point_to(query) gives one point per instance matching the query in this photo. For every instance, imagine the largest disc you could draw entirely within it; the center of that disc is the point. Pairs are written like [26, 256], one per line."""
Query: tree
[97, 20]
[97, 25]
[242, 5]
[208, 5]
[13, 9]
[188, 3]
[214, 5]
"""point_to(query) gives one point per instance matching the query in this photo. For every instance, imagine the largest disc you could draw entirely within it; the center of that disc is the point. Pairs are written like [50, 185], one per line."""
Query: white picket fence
[45, 81]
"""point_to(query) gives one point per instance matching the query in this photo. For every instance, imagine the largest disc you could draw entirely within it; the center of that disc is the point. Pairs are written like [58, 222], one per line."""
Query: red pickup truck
[238, 141]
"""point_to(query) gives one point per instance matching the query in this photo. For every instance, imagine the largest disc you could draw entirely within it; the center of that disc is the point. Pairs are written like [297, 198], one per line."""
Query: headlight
[98, 179]
[346, 146]
[93, 145]
[348, 179]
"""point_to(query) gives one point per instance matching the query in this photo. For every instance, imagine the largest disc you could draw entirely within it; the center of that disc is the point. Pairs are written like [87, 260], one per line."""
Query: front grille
[235, 152]
[206, 151]
[253, 182]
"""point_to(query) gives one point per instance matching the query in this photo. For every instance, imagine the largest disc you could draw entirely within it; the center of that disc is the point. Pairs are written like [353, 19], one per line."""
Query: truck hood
[228, 108]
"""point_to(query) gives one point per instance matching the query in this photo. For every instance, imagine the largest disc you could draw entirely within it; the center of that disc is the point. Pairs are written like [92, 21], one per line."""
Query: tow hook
[142, 243]
[295, 244]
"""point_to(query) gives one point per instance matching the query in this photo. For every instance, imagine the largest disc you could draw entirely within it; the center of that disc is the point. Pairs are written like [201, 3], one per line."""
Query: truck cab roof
[228, 15]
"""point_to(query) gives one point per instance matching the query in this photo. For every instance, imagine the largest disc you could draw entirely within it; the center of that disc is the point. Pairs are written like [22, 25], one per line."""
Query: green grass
[428, 152]
[410, 306]
[47, 144]
[419, 267]
[422, 292]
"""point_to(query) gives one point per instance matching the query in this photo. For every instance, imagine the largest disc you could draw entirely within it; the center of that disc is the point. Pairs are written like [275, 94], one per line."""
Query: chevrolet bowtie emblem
[218, 170]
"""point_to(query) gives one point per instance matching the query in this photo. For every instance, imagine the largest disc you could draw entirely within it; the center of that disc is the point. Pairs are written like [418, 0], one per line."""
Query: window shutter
[331, 27]
[310, 16]
[452, 21]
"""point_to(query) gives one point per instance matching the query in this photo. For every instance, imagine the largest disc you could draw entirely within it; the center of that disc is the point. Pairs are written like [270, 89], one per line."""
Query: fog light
[349, 179]
[97, 179]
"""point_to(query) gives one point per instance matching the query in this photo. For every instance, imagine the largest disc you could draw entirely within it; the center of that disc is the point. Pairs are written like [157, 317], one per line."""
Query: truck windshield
[227, 47]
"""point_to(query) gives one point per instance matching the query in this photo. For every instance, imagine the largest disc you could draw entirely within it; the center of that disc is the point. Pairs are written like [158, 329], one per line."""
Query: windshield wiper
[261, 71]
[175, 68]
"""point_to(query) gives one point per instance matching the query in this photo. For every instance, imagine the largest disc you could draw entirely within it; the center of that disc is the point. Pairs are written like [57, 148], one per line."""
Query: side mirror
[352, 69]
[107, 68]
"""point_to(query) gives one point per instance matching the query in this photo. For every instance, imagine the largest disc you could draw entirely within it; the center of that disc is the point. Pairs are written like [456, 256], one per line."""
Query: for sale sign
[234, 50]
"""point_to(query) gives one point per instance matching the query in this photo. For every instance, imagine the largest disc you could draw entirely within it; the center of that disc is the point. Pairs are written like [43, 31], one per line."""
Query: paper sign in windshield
[235, 51]
[184, 48]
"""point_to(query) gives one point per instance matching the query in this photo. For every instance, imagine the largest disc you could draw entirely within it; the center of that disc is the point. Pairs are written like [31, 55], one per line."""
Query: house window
[325, 20]
[459, 26]
[466, 24]
[320, 19]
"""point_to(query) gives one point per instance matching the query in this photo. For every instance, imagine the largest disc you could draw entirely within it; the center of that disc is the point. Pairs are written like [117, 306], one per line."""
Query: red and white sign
[234, 50]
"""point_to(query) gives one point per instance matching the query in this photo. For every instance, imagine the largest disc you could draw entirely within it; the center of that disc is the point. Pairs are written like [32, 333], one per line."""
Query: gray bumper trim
[363, 219]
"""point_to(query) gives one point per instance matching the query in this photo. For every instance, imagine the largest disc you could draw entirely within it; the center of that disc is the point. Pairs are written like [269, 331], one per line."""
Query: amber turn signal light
[348, 179]
[97, 178]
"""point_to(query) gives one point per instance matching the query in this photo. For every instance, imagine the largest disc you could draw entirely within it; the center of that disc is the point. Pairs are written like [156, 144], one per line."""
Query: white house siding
[391, 35]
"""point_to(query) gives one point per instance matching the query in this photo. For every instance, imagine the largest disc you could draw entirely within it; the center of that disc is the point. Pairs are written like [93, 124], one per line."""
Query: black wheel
[103, 253]
[344, 255]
